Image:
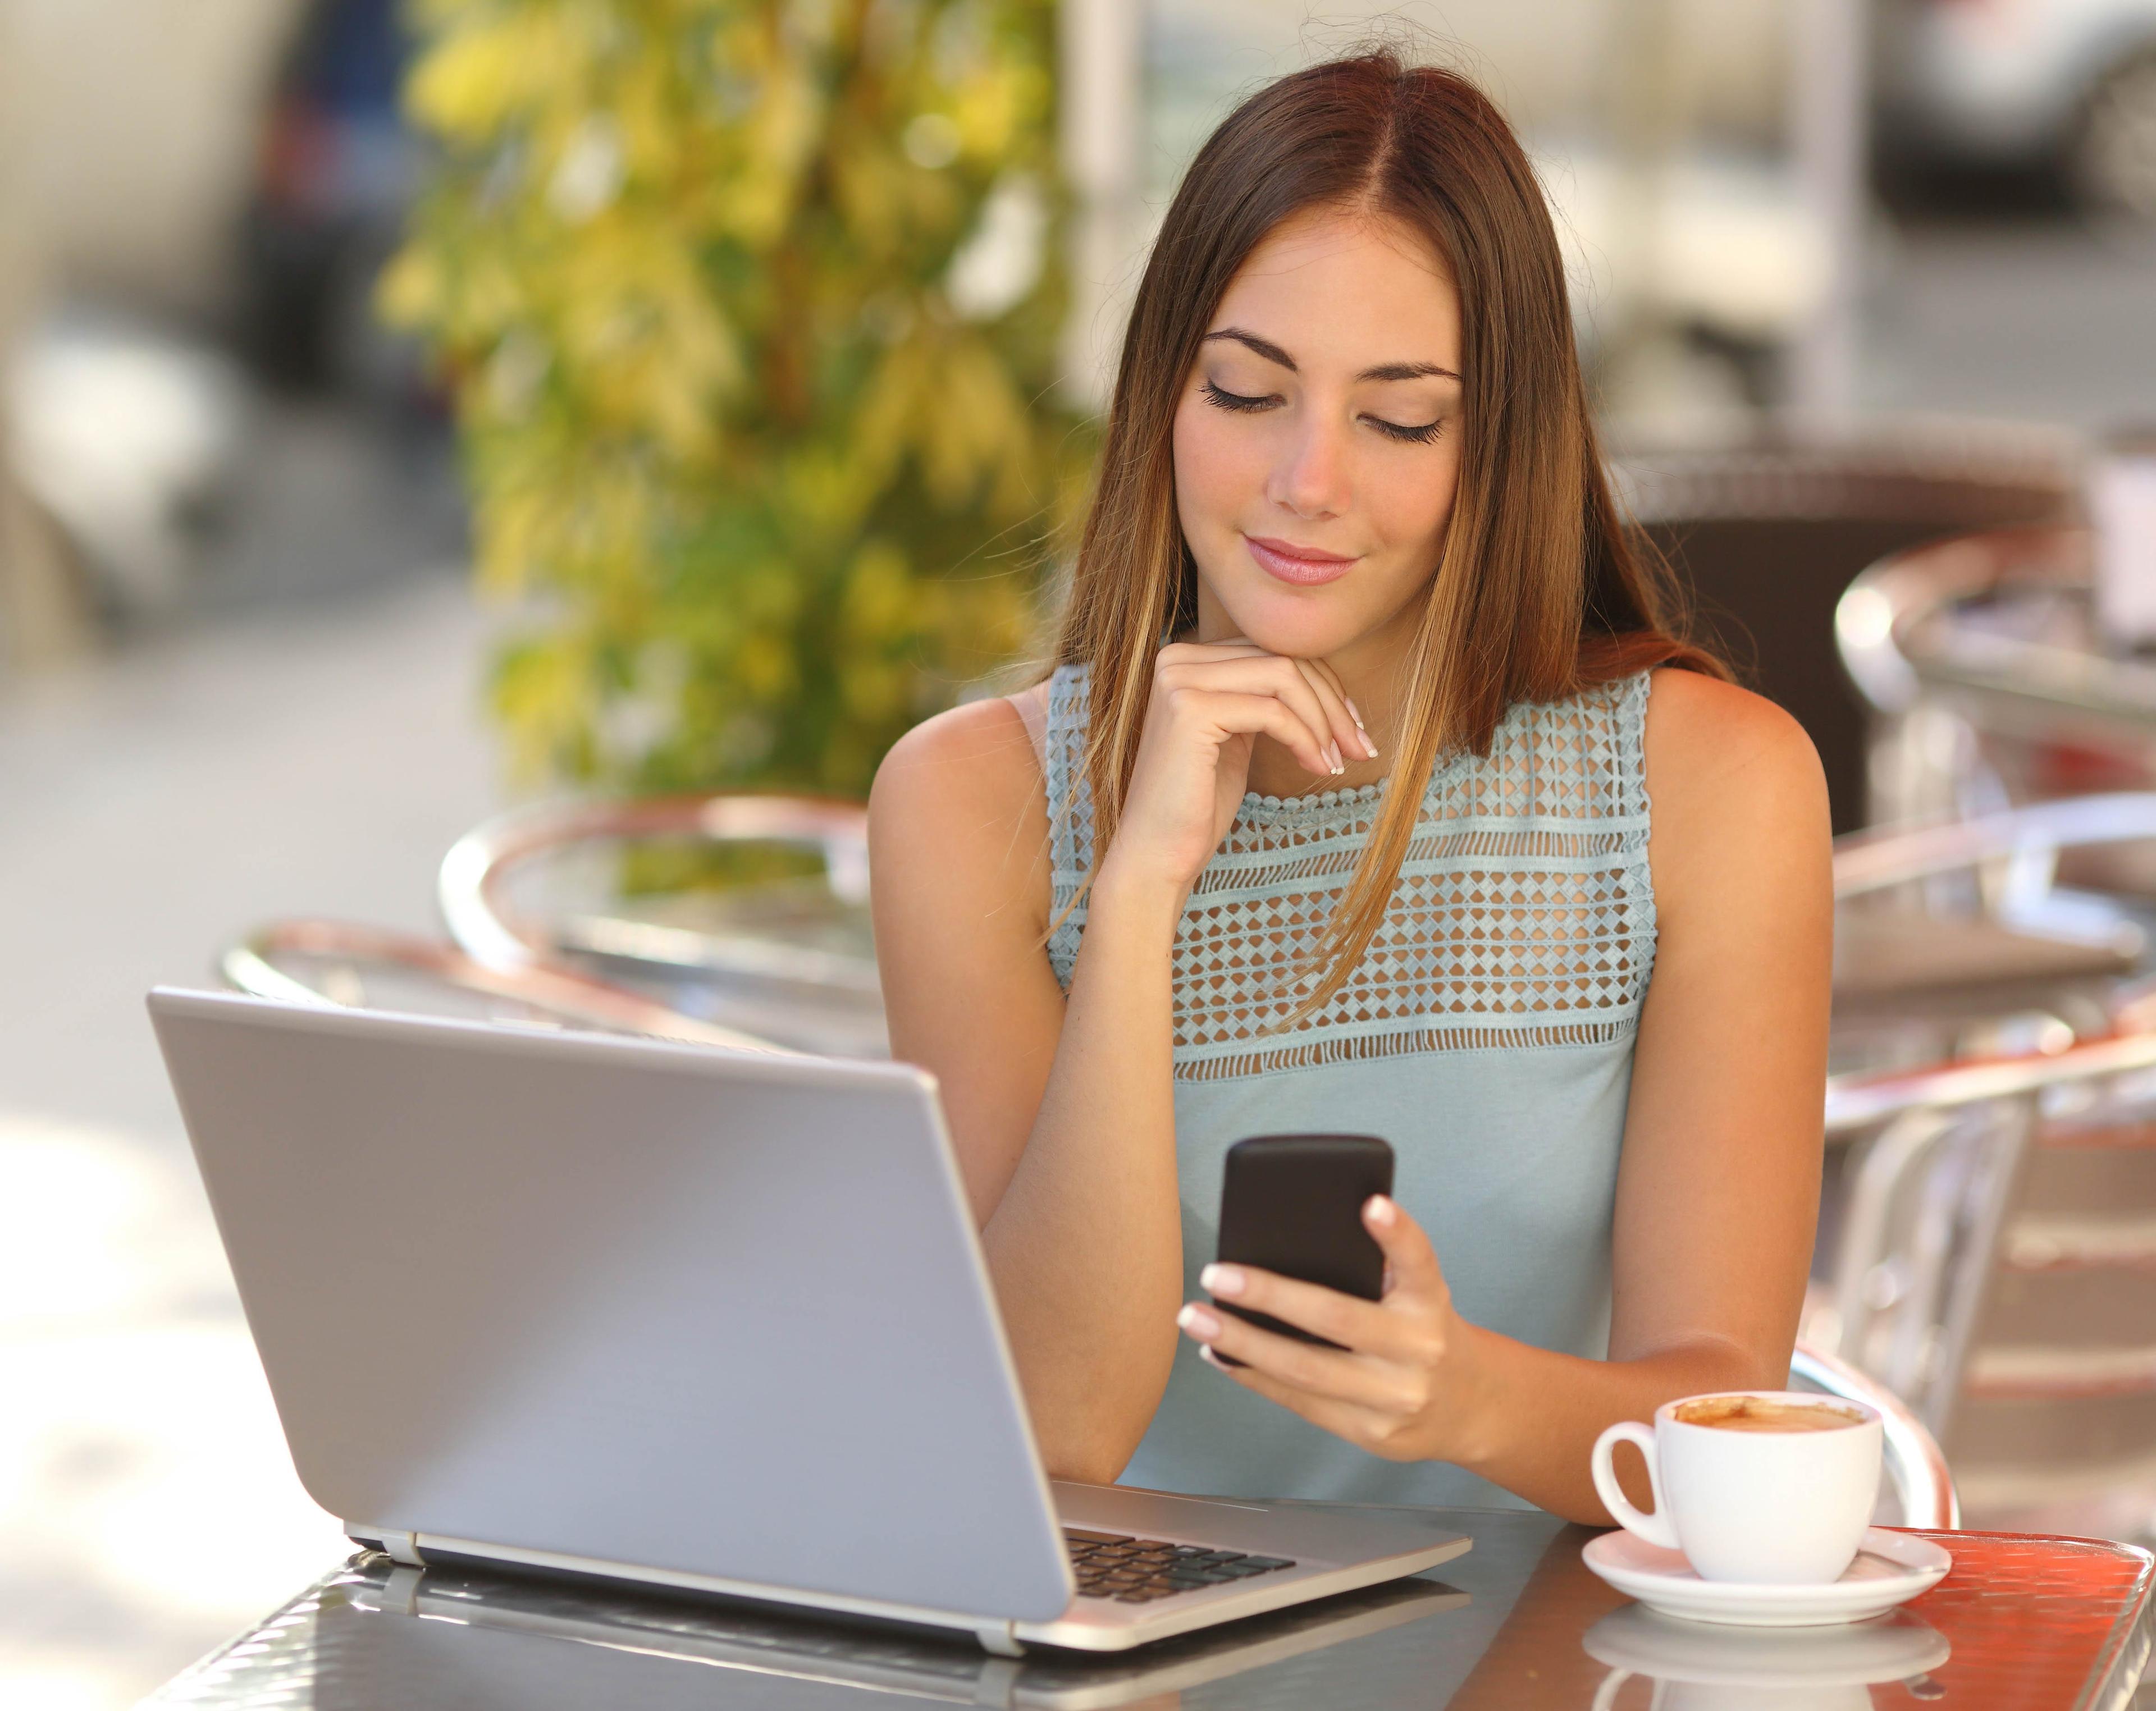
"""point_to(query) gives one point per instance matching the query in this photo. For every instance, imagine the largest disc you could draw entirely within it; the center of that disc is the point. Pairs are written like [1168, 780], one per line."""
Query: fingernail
[1338, 764]
[1222, 1279]
[1354, 713]
[1370, 746]
[1381, 1210]
[1196, 1320]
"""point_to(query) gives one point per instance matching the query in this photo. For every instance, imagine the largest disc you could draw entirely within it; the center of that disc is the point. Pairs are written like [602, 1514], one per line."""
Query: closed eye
[1420, 434]
[1415, 433]
[1222, 398]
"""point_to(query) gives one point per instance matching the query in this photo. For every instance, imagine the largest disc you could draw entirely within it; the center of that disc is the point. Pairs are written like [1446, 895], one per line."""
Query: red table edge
[2131, 1628]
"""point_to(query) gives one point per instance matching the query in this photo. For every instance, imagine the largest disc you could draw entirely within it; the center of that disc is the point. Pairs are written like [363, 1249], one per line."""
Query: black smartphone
[1293, 1204]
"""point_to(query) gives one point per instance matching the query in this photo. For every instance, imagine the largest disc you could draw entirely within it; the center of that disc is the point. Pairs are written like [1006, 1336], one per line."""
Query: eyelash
[1421, 434]
[1238, 401]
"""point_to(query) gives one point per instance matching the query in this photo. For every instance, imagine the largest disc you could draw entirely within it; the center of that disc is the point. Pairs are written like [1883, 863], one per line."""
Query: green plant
[750, 310]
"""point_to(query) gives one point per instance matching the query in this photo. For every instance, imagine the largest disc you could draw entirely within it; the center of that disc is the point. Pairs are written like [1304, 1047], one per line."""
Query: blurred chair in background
[339, 962]
[744, 911]
[1989, 682]
[1768, 532]
[1990, 1226]
[1989, 936]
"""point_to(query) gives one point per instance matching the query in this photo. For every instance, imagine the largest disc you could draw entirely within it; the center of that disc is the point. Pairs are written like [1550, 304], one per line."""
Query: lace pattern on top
[1524, 914]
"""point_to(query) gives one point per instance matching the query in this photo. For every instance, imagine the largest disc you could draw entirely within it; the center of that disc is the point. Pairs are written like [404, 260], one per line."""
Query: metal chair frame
[1927, 1223]
[471, 890]
[250, 966]
[1940, 689]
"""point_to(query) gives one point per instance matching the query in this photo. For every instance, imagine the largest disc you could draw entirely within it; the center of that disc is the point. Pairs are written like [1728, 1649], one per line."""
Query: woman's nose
[1311, 476]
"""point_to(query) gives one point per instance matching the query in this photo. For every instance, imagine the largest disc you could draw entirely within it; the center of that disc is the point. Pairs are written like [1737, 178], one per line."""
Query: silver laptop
[707, 1319]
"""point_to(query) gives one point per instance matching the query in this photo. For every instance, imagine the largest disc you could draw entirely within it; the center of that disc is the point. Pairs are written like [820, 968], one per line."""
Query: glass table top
[1519, 1623]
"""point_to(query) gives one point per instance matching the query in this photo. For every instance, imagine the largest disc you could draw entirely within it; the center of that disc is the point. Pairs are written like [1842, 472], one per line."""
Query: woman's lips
[1305, 566]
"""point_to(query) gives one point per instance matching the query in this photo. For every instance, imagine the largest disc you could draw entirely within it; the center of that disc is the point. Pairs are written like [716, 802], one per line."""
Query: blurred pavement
[313, 750]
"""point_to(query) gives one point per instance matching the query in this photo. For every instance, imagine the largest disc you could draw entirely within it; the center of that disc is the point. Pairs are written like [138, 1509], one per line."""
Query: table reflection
[379, 1634]
[1696, 1668]
[1518, 1624]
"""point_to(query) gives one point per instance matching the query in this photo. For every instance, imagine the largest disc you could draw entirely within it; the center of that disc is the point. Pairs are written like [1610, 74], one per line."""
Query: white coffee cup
[1767, 1506]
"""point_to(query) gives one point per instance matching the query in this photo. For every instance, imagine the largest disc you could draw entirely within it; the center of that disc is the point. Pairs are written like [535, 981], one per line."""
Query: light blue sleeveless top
[1487, 1033]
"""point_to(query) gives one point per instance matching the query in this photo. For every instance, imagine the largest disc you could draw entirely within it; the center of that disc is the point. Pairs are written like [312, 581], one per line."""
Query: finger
[1355, 713]
[1265, 674]
[1344, 1420]
[1324, 1372]
[1245, 713]
[1361, 1325]
[1416, 1274]
[1347, 736]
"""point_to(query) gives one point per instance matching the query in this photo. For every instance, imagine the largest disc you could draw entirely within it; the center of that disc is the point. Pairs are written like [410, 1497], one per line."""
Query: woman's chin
[1299, 629]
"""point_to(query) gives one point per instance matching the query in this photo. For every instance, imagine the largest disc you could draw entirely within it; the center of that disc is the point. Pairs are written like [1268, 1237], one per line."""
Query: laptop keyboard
[1139, 1570]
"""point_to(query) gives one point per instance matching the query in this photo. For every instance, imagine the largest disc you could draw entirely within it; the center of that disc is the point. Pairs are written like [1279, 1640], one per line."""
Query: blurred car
[338, 169]
[2065, 87]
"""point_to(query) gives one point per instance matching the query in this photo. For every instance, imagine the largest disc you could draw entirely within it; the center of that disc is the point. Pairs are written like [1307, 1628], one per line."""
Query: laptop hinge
[997, 1637]
[402, 1547]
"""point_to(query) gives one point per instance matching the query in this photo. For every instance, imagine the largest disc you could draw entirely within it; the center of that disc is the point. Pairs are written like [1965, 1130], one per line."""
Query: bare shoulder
[974, 756]
[1732, 780]
[1705, 737]
[959, 802]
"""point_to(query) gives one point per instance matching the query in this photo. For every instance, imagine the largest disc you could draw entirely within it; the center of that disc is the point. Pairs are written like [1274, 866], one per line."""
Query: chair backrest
[312, 962]
[1769, 534]
[1987, 678]
[789, 958]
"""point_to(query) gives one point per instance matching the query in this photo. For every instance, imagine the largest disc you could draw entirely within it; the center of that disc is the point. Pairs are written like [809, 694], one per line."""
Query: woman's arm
[1718, 1187]
[1063, 1115]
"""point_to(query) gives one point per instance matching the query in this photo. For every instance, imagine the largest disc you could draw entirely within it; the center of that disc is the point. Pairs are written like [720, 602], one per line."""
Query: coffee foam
[1764, 1414]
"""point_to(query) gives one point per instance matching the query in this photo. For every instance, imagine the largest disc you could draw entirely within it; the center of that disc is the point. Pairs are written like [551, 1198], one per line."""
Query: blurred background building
[242, 674]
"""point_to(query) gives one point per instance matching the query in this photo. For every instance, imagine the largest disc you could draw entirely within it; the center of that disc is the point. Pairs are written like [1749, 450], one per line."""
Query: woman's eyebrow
[1384, 370]
[1407, 370]
[1265, 347]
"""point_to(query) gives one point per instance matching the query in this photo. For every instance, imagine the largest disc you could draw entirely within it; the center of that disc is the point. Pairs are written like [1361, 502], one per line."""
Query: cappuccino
[1764, 1414]
[1771, 1488]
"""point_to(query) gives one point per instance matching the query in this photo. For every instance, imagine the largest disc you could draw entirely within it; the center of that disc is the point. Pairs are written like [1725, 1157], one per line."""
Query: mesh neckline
[1522, 916]
[1258, 805]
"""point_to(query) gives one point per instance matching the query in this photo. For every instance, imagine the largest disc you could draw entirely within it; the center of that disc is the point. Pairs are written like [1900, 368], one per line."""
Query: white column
[1830, 111]
[1102, 74]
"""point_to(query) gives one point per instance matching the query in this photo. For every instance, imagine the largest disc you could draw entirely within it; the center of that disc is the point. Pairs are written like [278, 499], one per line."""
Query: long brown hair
[1540, 590]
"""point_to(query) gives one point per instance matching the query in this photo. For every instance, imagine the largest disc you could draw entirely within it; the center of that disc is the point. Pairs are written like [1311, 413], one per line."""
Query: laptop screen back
[649, 1304]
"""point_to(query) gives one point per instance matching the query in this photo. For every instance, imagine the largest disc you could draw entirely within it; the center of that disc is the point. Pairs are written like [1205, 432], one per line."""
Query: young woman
[1356, 801]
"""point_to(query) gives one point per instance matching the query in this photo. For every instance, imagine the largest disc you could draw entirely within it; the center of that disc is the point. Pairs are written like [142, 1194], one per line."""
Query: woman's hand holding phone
[1400, 1385]
[1210, 702]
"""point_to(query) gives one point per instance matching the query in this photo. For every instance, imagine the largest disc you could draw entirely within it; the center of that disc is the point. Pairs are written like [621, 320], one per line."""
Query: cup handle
[1613, 1683]
[1654, 1529]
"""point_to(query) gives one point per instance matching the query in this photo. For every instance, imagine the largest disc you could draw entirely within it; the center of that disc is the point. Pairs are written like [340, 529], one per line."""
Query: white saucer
[1891, 1569]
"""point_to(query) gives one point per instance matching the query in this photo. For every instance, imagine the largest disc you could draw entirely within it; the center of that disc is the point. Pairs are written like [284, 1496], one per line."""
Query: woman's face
[1317, 441]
